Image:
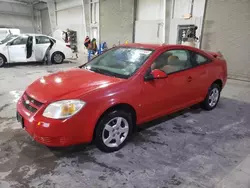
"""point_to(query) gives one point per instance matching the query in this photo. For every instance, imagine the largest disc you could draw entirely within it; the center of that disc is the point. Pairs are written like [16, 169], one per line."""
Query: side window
[173, 61]
[199, 59]
[20, 41]
[42, 40]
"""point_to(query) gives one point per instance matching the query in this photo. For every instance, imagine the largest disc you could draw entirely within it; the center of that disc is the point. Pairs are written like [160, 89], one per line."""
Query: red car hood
[55, 86]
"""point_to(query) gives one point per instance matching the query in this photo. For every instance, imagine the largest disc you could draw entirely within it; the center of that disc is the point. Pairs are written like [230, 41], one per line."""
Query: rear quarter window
[199, 59]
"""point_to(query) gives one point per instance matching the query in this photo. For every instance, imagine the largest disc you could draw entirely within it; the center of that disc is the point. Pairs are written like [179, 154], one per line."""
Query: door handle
[189, 79]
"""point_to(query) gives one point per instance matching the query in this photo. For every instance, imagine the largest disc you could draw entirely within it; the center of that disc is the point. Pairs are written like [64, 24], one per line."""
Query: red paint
[150, 99]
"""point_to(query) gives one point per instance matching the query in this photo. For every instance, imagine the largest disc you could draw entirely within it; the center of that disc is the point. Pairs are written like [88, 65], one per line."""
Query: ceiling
[30, 1]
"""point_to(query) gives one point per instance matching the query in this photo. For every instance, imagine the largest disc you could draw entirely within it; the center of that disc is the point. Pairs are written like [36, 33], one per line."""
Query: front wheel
[57, 58]
[2, 60]
[212, 97]
[113, 131]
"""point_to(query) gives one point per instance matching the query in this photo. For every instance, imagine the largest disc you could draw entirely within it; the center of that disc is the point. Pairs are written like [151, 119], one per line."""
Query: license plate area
[20, 119]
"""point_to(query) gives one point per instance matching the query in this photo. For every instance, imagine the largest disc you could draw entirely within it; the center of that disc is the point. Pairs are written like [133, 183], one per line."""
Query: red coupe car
[104, 99]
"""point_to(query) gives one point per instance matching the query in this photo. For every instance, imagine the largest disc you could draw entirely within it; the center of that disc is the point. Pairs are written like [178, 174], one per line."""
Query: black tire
[99, 132]
[207, 103]
[2, 60]
[57, 58]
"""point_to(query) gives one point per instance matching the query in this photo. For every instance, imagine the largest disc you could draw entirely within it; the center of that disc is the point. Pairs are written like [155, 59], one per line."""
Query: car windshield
[7, 39]
[120, 62]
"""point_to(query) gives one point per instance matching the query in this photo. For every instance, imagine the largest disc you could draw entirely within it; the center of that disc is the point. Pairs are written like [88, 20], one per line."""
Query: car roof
[150, 46]
[33, 34]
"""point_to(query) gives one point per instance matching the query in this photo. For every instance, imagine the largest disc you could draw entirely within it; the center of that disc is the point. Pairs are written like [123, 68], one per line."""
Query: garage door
[227, 28]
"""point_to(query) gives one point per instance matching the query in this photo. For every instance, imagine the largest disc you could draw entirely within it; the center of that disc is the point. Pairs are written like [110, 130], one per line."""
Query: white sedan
[32, 48]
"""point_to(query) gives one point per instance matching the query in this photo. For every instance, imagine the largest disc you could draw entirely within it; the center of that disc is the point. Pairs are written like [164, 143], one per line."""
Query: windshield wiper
[105, 72]
[101, 71]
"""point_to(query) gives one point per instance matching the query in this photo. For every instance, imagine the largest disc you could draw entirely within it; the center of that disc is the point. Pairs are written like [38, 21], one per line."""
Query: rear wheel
[2, 60]
[113, 131]
[212, 97]
[57, 58]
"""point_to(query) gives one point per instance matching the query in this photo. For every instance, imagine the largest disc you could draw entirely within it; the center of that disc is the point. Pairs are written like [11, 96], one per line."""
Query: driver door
[170, 94]
[17, 49]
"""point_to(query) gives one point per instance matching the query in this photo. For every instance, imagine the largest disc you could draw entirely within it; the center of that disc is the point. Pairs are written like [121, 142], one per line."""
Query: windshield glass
[7, 39]
[119, 62]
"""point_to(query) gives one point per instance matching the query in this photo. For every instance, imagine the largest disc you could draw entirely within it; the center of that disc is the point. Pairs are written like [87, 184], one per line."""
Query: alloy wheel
[213, 97]
[115, 132]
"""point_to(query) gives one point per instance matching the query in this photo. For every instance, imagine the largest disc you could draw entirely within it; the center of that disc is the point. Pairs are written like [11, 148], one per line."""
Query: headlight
[63, 109]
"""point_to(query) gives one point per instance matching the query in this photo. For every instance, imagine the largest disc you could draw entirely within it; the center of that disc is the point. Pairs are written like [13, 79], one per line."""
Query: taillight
[68, 45]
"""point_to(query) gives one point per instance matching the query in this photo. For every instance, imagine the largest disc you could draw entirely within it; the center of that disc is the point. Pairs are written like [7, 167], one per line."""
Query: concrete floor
[193, 148]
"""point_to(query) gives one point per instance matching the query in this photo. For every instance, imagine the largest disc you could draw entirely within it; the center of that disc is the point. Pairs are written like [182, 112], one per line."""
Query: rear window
[42, 40]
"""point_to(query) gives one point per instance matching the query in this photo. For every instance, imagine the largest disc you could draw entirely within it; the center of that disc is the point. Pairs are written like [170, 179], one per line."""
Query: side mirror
[156, 74]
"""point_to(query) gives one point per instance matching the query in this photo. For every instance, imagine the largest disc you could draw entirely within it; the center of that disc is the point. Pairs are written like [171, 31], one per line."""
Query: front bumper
[51, 132]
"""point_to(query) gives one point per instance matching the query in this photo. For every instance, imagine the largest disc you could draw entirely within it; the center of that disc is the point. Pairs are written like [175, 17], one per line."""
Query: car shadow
[195, 109]
[84, 148]
[20, 64]
[10, 65]
[144, 129]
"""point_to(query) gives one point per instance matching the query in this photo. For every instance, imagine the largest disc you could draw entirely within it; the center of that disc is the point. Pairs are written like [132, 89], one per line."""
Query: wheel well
[219, 83]
[123, 107]
[3, 57]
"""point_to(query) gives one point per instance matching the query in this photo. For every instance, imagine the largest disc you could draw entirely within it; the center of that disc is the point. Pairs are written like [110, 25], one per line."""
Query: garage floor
[192, 148]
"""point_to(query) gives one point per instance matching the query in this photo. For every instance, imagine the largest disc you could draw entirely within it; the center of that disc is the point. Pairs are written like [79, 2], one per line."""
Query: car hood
[78, 81]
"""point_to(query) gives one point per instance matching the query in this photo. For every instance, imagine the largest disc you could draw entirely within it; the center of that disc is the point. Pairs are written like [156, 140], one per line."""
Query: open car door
[41, 46]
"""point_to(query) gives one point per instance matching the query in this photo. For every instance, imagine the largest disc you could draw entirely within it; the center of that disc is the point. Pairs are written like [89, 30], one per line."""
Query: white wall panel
[150, 10]
[68, 4]
[16, 8]
[149, 25]
[72, 18]
[181, 7]
[16, 15]
[46, 27]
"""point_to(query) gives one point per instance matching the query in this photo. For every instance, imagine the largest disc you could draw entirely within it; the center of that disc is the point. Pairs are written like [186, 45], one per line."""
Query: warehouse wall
[227, 28]
[69, 15]
[116, 21]
[168, 20]
[150, 14]
[182, 7]
[16, 15]
[46, 28]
